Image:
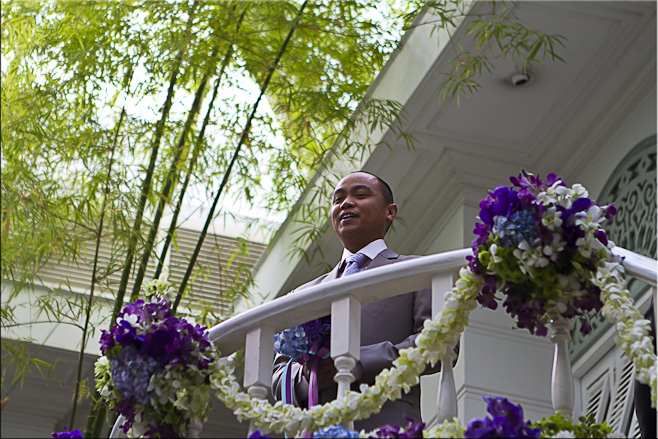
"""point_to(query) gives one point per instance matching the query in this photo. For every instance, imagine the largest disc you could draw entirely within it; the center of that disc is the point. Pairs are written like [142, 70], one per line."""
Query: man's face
[359, 211]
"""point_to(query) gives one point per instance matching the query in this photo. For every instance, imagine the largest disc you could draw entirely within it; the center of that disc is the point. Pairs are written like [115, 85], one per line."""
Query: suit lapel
[333, 274]
[385, 257]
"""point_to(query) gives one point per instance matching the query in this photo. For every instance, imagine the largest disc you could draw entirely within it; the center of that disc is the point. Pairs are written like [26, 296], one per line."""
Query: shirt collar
[371, 250]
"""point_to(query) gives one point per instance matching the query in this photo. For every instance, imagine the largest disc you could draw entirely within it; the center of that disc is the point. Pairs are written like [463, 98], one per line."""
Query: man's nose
[347, 202]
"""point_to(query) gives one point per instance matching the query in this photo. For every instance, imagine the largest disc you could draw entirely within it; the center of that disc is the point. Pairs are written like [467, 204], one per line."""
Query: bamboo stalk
[99, 233]
[170, 180]
[195, 154]
[146, 183]
[245, 133]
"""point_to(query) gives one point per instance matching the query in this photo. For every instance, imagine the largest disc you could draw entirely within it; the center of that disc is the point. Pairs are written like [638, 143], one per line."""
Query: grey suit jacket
[387, 326]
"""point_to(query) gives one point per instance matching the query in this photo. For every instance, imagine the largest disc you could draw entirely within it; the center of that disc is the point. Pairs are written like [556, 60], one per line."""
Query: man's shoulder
[395, 257]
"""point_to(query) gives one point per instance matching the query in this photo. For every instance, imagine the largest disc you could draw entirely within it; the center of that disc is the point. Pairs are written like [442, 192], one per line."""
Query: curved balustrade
[343, 297]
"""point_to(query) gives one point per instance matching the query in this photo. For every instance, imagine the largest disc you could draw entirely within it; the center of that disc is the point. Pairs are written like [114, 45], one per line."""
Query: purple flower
[258, 435]
[610, 211]
[67, 434]
[480, 428]
[506, 422]
[412, 430]
[312, 326]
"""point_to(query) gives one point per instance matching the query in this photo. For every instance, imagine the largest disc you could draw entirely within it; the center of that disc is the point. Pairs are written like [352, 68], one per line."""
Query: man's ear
[391, 211]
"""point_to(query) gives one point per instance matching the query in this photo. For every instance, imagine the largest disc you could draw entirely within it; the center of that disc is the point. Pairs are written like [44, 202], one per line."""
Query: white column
[562, 388]
[345, 342]
[258, 358]
[446, 400]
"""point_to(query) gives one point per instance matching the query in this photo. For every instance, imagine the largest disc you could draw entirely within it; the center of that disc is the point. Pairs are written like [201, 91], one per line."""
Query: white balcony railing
[255, 328]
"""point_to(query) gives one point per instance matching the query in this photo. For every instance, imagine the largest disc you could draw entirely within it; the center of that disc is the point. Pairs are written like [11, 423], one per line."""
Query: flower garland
[155, 368]
[437, 338]
[545, 237]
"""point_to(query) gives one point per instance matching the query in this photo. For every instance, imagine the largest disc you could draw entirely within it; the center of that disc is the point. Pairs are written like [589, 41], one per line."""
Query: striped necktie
[354, 264]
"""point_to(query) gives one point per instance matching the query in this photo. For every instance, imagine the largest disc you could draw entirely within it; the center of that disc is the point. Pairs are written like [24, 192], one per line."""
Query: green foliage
[586, 428]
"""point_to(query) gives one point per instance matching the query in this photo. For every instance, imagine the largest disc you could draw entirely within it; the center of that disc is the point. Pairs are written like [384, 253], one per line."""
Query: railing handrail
[369, 286]
[315, 301]
[638, 266]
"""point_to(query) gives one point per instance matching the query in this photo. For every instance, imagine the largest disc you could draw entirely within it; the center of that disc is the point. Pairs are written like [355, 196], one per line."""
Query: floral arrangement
[73, 434]
[155, 368]
[412, 430]
[538, 243]
[308, 341]
[573, 221]
[506, 421]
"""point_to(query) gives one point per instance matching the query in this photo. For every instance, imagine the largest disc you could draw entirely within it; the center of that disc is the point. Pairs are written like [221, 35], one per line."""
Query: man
[362, 210]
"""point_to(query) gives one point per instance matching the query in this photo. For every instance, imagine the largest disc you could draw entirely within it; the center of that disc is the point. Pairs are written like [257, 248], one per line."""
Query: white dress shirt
[371, 250]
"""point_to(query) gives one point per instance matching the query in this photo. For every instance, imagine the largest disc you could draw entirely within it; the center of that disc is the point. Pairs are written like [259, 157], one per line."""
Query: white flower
[130, 318]
[564, 434]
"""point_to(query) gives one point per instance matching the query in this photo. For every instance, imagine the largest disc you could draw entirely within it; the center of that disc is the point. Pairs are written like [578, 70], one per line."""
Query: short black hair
[386, 189]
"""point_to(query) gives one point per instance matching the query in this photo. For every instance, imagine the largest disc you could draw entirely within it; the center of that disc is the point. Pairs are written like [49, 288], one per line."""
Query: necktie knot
[355, 263]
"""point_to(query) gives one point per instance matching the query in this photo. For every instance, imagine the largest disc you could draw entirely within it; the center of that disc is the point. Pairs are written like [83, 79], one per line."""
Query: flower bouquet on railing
[309, 341]
[155, 369]
[539, 243]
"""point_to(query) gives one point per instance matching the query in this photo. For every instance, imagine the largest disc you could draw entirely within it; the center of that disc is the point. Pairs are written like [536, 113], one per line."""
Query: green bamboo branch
[195, 153]
[171, 178]
[146, 184]
[243, 138]
[99, 233]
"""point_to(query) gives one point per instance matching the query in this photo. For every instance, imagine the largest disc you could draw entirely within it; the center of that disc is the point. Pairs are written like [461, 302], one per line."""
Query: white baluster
[194, 428]
[562, 388]
[258, 356]
[446, 398]
[345, 342]
[654, 294]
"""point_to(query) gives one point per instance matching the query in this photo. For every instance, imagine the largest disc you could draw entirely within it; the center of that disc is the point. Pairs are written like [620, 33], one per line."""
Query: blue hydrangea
[131, 374]
[519, 226]
[336, 431]
[291, 342]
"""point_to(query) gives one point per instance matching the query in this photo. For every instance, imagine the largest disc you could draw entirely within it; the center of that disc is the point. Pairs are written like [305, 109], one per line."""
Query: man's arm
[379, 356]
